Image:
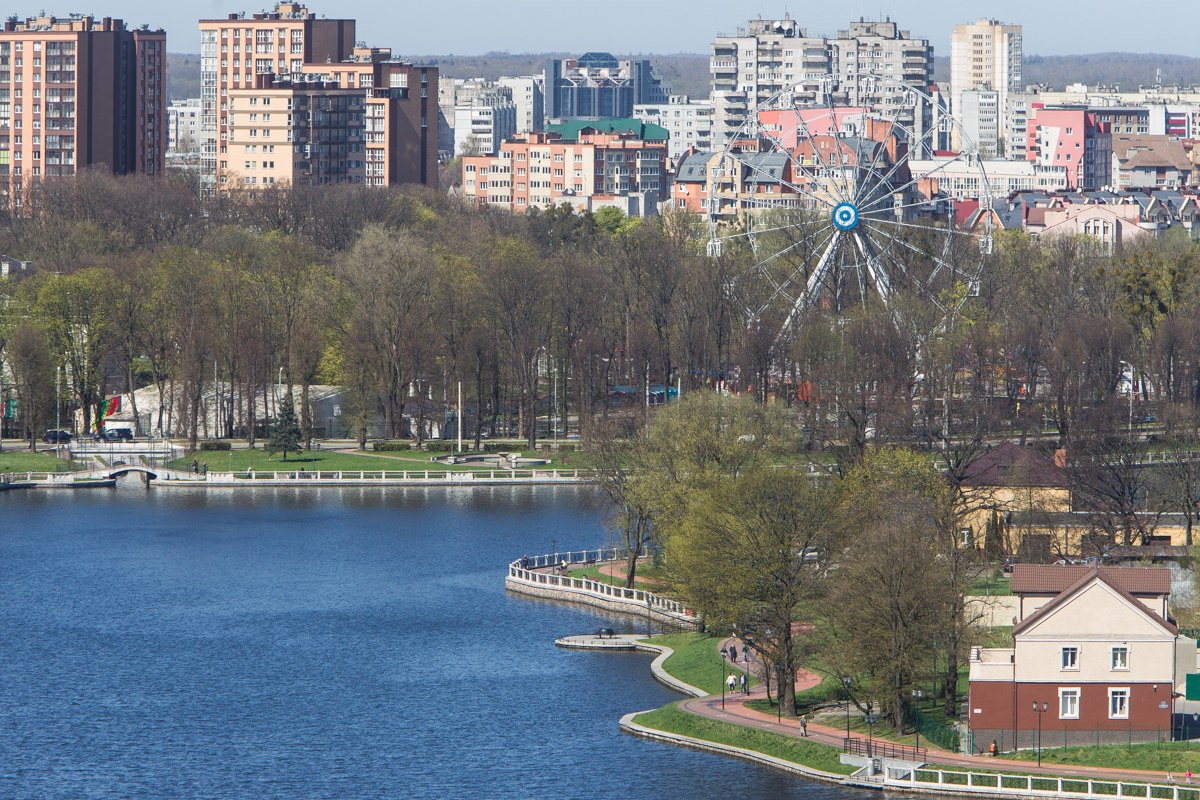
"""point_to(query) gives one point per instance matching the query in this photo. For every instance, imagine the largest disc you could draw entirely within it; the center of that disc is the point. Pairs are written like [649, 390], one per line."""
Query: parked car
[57, 437]
[116, 435]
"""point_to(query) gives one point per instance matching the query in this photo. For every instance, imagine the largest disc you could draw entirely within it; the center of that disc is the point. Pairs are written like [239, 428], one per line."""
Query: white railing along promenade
[302, 477]
[946, 781]
[524, 573]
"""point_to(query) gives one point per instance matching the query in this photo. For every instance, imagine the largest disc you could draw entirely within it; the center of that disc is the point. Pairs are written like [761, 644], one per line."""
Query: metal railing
[879, 748]
[960, 782]
[524, 571]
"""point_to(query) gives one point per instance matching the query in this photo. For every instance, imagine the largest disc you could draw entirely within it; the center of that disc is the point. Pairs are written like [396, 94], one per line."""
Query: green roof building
[646, 131]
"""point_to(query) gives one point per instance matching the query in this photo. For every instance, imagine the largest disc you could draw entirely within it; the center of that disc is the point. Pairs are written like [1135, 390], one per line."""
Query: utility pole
[460, 418]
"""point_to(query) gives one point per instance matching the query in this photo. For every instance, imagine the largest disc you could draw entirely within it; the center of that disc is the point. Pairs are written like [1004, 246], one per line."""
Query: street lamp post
[724, 653]
[1039, 711]
[917, 694]
[846, 681]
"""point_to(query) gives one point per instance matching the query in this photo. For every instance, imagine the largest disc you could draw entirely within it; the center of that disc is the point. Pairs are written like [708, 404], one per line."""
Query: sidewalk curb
[664, 677]
[628, 725]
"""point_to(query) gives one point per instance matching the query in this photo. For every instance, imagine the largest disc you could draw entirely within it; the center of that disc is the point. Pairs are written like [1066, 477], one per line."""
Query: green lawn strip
[593, 573]
[696, 660]
[1177, 757]
[789, 748]
[36, 462]
[310, 461]
[991, 586]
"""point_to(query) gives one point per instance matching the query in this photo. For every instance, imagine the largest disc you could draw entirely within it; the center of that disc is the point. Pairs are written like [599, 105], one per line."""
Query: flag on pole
[106, 409]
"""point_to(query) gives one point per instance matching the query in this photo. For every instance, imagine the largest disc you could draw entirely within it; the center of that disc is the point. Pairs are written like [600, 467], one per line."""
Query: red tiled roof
[1053, 579]
[1104, 575]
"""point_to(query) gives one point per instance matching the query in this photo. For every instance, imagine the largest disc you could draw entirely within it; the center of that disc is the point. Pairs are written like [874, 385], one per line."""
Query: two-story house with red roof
[1095, 659]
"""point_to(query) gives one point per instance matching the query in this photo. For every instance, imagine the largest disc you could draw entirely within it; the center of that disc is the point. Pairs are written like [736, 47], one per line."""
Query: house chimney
[1060, 458]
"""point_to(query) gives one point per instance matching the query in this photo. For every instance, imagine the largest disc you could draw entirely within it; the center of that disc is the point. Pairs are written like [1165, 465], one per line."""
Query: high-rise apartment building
[687, 121]
[599, 86]
[529, 96]
[235, 49]
[481, 124]
[356, 115]
[866, 65]
[979, 116]
[984, 55]
[77, 92]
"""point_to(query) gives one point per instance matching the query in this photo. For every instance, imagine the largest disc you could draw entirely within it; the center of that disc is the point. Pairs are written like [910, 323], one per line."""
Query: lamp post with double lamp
[1039, 711]
[846, 681]
[724, 653]
[917, 695]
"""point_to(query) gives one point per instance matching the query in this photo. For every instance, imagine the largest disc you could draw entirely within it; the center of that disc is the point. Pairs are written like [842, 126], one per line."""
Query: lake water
[329, 643]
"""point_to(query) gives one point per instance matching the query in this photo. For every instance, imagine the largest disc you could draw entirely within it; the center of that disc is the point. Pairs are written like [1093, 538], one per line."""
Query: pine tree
[285, 433]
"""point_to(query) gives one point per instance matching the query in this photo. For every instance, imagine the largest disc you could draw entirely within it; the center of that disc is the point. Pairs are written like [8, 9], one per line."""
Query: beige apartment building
[77, 92]
[357, 115]
[539, 170]
[986, 54]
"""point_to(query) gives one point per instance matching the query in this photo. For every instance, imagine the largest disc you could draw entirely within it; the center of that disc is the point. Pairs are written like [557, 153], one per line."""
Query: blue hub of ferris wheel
[845, 216]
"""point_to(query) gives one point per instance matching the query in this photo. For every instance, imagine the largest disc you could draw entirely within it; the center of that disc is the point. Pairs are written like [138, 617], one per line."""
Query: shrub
[210, 445]
[390, 446]
[438, 447]
[566, 448]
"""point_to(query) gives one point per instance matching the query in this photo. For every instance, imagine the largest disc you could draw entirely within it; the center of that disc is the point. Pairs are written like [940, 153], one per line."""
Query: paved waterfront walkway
[735, 712]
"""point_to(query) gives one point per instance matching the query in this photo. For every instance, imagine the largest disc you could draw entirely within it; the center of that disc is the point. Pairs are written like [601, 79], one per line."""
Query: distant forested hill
[184, 69]
[1129, 70]
[688, 72]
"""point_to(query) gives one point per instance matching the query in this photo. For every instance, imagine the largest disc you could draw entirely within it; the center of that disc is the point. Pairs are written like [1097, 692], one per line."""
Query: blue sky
[470, 27]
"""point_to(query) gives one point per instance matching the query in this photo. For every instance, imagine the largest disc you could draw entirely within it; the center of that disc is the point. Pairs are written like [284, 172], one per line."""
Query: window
[1068, 703]
[1070, 658]
[1118, 704]
[1120, 655]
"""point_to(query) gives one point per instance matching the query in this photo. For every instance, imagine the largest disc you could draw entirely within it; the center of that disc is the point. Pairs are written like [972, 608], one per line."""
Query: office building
[598, 85]
[985, 54]
[78, 92]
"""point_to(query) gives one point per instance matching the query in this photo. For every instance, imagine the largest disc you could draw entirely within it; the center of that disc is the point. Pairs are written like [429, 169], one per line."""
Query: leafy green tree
[752, 552]
[285, 433]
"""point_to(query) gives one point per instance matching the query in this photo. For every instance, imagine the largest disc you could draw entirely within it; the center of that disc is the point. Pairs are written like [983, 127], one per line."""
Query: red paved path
[735, 712]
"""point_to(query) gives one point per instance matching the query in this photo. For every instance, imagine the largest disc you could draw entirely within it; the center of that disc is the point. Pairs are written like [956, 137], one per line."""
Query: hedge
[210, 445]
[390, 446]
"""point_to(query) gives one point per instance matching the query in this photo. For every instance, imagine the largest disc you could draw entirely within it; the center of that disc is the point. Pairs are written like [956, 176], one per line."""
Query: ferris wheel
[832, 205]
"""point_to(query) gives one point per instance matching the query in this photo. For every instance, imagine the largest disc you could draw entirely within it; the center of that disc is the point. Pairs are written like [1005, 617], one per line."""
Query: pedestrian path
[732, 709]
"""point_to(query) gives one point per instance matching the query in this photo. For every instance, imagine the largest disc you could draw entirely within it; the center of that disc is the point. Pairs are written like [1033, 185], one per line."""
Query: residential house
[1095, 660]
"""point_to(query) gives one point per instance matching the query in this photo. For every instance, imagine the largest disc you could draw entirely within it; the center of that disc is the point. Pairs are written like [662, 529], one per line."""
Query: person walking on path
[733, 653]
[732, 682]
[804, 725]
[204, 468]
[742, 679]
[1187, 776]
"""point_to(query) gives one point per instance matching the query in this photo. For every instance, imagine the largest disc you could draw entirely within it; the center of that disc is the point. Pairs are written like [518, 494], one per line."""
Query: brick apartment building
[337, 113]
[539, 170]
[77, 92]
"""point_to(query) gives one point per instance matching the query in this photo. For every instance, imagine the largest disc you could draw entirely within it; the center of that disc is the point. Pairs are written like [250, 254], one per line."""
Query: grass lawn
[998, 587]
[35, 462]
[696, 660]
[241, 460]
[789, 748]
[1165, 757]
[644, 571]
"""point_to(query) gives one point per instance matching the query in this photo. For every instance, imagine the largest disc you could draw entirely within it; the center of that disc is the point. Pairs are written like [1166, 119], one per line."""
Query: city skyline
[1065, 28]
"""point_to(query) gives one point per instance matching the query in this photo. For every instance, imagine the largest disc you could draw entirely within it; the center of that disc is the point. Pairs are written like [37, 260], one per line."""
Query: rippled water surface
[337, 643]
